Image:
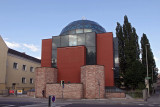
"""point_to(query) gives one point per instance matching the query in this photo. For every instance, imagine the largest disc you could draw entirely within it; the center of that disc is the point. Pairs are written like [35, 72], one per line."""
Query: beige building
[16, 68]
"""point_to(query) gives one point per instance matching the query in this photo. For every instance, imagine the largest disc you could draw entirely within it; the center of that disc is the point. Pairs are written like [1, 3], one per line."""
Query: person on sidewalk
[43, 93]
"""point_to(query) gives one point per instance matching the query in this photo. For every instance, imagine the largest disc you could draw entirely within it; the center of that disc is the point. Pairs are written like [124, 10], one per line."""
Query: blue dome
[82, 26]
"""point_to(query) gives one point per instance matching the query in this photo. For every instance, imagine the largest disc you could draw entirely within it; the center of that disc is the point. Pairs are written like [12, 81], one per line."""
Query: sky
[24, 23]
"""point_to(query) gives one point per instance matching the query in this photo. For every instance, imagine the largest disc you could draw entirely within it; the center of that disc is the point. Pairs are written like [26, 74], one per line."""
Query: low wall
[31, 94]
[71, 91]
[115, 95]
[44, 75]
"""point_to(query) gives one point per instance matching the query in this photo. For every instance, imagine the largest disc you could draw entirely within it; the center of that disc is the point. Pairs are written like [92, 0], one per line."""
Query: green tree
[119, 35]
[131, 68]
[151, 61]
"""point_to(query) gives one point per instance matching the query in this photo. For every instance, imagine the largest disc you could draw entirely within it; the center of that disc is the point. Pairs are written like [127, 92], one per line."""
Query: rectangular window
[31, 80]
[64, 41]
[15, 65]
[79, 30]
[31, 69]
[23, 80]
[72, 40]
[87, 30]
[24, 67]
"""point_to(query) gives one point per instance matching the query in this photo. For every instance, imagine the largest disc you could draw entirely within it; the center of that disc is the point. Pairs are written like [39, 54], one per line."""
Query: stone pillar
[43, 76]
[93, 79]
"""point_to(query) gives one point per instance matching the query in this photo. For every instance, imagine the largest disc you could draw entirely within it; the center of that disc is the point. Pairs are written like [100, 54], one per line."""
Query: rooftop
[23, 55]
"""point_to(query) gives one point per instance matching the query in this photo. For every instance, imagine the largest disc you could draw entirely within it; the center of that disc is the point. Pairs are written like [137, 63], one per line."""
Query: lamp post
[147, 70]
[152, 73]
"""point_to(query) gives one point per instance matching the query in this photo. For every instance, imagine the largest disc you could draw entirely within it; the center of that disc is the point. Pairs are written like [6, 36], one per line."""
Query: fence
[113, 90]
[135, 93]
[4, 92]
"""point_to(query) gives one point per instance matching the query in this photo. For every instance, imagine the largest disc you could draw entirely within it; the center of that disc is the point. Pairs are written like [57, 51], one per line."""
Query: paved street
[25, 101]
[106, 105]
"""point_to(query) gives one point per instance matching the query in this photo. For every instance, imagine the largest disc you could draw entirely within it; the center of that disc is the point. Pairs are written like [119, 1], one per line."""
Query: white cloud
[21, 46]
[31, 47]
[38, 57]
[156, 59]
[5, 39]
[12, 44]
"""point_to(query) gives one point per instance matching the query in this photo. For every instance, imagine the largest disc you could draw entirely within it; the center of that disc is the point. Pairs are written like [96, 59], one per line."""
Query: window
[31, 69]
[72, 40]
[72, 32]
[31, 80]
[87, 30]
[23, 80]
[79, 30]
[15, 65]
[24, 67]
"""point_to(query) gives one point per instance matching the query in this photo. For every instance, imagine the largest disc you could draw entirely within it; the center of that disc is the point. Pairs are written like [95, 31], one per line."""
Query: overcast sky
[24, 23]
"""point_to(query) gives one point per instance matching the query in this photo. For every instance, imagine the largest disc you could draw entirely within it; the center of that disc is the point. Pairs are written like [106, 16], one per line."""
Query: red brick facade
[69, 61]
[92, 77]
[46, 57]
[105, 56]
[89, 80]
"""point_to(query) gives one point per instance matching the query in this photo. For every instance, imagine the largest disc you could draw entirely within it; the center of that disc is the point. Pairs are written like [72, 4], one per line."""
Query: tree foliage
[131, 69]
[145, 45]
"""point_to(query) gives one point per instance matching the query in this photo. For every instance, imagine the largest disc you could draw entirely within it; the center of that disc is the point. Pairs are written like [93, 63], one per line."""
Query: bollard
[51, 101]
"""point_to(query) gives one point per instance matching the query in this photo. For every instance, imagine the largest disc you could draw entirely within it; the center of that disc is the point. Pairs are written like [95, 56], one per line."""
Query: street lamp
[147, 69]
[153, 69]
[147, 59]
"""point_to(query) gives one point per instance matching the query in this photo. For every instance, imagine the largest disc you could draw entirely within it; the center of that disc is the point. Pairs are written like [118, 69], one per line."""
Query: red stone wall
[69, 61]
[44, 75]
[91, 77]
[46, 56]
[115, 95]
[71, 91]
[105, 56]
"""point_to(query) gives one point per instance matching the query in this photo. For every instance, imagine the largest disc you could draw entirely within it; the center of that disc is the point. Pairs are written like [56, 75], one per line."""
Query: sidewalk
[154, 98]
[44, 101]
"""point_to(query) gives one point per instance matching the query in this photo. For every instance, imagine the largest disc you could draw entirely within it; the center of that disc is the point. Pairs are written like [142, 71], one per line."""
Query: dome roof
[89, 26]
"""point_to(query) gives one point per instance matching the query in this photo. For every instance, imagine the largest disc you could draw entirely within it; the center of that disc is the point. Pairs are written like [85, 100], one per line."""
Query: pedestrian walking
[43, 93]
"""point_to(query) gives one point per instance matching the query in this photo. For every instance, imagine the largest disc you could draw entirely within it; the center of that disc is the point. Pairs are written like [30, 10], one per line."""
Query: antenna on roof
[84, 18]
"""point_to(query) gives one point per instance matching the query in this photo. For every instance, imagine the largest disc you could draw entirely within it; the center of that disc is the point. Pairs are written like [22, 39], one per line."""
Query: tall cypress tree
[135, 44]
[130, 65]
[150, 57]
[119, 35]
[127, 32]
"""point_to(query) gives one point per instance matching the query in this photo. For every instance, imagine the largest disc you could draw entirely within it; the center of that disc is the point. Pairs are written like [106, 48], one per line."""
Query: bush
[135, 94]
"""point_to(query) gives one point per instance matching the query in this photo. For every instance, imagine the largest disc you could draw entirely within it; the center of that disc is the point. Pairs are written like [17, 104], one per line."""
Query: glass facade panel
[86, 39]
[90, 39]
[81, 39]
[55, 42]
[72, 32]
[87, 30]
[79, 30]
[54, 58]
[65, 41]
[91, 56]
[72, 40]
[83, 24]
